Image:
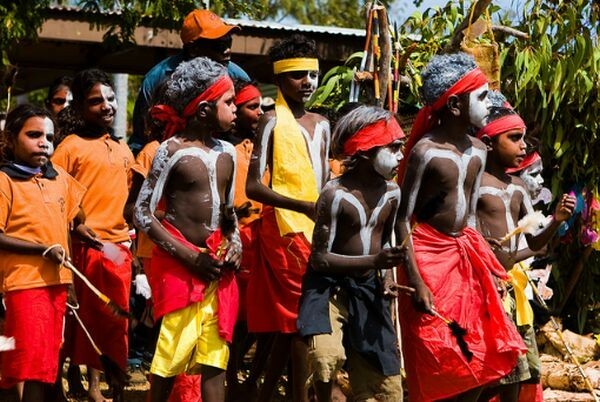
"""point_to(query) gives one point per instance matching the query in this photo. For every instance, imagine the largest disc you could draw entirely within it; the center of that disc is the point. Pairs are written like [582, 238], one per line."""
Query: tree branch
[457, 37]
[510, 31]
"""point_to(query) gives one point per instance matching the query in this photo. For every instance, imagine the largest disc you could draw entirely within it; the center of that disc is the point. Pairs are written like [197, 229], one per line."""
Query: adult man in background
[203, 34]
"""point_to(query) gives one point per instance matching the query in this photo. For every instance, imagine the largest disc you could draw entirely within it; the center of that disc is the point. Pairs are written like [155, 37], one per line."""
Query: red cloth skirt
[275, 281]
[187, 388]
[34, 317]
[113, 278]
[174, 287]
[458, 271]
[249, 238]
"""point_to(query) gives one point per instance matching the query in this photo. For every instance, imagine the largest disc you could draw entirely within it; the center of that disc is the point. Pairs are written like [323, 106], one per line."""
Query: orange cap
[203, 24]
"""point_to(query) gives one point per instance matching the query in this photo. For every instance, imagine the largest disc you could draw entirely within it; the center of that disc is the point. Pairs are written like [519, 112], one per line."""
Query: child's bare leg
[280, 353]
[76, 388]
[471, 395]
[264, 343]
[19, 388]
[509, 392]
[94, 393]
[323, 390]
[213, 384]
[299, 369]
[34, 391]
[160, 388]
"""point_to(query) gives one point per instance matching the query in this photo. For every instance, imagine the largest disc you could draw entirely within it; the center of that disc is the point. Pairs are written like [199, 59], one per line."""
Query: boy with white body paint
[450, 265]
[293, 145]
[503, 200]
[191, 275]
[342, 295]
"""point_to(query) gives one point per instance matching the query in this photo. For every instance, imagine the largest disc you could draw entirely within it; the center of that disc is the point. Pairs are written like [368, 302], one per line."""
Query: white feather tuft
[7, 343]
[533, 222]
[142, 287]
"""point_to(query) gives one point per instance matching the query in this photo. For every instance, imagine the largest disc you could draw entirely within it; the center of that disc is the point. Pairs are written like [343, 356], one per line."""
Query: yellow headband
[296, 64]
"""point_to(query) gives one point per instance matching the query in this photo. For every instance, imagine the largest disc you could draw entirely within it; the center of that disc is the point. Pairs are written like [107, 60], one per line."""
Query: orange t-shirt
[39, 210]
[243, 155]
[102, 165]
[142, 165]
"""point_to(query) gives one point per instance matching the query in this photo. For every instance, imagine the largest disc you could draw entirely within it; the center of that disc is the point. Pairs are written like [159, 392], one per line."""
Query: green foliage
[335, 86]
[19, 20]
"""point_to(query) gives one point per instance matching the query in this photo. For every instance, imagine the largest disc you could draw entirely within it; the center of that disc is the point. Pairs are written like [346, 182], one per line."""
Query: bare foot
[94, 395]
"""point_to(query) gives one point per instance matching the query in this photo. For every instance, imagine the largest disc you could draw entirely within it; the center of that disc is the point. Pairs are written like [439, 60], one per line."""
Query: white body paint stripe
[366, 228]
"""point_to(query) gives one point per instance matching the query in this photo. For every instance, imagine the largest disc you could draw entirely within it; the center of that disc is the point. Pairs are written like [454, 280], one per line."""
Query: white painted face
[386, 162]
[479, 105]
[49, 129]
[532, 176]
[69, 98]
[313, 79]
[109, 95]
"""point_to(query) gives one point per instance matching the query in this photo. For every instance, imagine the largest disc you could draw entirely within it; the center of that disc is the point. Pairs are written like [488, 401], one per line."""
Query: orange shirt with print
[102, 165]
[39, 210]
[142, 165]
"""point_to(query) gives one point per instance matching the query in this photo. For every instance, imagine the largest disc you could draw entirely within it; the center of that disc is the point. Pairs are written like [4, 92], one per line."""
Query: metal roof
[243, 23]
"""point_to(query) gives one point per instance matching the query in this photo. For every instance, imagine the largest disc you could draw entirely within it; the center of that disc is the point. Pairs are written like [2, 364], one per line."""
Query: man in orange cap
[203, 33]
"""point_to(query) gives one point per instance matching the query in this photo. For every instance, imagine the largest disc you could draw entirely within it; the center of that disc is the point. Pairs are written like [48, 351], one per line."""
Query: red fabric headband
[377, 134]
[528, 161]
[425, 121]
[247, 93]
[174, 122]
[502, 125]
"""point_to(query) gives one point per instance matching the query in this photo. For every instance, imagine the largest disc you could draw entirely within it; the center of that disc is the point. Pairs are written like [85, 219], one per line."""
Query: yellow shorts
[189, 338]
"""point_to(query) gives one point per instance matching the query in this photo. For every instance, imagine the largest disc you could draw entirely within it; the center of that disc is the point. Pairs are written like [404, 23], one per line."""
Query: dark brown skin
[346, 254]
[255, 189]
[285, 344]
[439, 181]
[187, 191]
[490, 208]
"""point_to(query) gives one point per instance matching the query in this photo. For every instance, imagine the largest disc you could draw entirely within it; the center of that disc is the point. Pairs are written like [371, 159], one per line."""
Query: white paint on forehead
[506, 196]
[366, 227]
[107, 93]
[462, 163]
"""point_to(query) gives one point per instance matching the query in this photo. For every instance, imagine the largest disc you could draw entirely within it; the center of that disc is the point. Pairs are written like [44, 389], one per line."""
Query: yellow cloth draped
[519, 281]
[293, 174]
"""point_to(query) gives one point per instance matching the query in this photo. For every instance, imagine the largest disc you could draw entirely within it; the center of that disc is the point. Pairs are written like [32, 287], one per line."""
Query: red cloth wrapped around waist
[174, 287]
[458, 271]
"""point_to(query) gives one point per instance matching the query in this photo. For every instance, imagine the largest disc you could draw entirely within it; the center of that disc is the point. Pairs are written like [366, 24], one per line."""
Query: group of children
[243, 229]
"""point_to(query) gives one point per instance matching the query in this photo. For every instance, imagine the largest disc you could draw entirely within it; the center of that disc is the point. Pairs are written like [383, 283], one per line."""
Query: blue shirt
[152, 80]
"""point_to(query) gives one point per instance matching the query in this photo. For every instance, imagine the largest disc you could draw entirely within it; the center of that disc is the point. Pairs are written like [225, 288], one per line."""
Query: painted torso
[441, 183]
[195, 182]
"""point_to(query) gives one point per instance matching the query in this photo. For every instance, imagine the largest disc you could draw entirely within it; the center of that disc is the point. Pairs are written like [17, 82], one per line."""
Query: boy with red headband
[191, 276]
[342, 295]
[450, 265]
[292, 143]
[503, 200]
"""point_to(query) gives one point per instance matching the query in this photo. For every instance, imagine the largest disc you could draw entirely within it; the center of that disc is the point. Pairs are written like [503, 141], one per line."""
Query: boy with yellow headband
[292, 144]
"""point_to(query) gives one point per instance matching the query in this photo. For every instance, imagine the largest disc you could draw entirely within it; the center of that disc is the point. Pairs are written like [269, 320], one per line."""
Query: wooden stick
[412, 229]
[510, 31]
[85, 330]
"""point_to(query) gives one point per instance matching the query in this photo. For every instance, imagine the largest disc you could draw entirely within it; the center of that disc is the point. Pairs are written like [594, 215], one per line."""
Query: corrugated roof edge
[251, 23]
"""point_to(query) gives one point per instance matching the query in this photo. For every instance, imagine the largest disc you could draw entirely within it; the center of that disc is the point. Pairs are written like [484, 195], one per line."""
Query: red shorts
[108, 331]
[34, 317]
